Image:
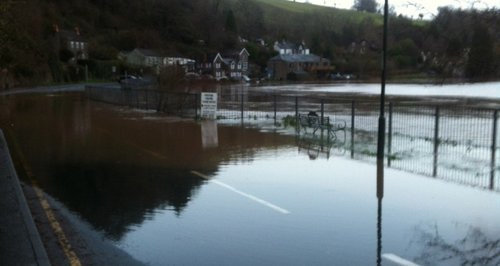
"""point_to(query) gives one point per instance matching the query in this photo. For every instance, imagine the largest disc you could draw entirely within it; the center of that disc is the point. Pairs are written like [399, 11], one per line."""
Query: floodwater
[169, 191]
[473, 90]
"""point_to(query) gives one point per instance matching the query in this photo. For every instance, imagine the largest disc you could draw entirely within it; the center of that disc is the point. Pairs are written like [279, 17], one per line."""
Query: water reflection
[128, 173]
[209, 136]
[474, 248]
[321, 146]
[115, 168]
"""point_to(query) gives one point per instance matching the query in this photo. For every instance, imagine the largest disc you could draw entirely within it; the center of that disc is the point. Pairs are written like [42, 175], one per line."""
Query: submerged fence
[450, 142]
[172, 103]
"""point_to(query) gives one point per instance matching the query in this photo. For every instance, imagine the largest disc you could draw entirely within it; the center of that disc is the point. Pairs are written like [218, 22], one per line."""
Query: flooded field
[172, 191]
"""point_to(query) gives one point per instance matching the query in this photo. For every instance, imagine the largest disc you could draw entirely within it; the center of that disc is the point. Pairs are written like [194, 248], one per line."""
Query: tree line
[455, 43]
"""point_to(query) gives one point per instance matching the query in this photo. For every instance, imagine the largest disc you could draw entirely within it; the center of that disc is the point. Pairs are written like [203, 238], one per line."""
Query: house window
[245, 66]
[232, 65]
[217, 65]
[72, 44]
[239, 65]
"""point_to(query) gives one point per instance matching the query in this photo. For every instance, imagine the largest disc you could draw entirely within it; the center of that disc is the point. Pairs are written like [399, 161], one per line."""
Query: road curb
[29, 224]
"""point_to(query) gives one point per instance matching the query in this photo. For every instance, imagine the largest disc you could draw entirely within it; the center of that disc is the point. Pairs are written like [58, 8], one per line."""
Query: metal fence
[454, 143]
[172, 103]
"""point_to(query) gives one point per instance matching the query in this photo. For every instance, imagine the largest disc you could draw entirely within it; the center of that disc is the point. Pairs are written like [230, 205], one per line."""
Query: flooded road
[169, 191]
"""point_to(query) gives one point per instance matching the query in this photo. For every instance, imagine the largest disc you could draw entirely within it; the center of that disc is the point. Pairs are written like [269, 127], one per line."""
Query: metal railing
[454, 143]
[172, 103]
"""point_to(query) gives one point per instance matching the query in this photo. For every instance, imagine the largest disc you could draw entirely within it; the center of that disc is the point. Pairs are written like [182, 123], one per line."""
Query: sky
[427, 7]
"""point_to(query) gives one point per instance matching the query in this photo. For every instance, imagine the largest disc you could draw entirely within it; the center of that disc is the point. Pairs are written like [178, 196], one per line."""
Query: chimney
[77, 31]
[56, 28]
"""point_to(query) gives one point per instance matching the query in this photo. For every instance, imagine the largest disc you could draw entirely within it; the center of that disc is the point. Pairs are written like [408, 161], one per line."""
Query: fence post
[493, 149]
[322, 111]
[296, 112]
[436, 143]
[137, 93]
[389, 137]
[275, 107]
[197, 98]
[352, 128]
[241, 106]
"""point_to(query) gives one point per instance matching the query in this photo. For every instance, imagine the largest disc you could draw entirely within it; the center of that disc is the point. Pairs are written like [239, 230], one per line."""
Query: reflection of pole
[380, 196]
[436, 143]
[379, 232]
[381, 119]
[493, 149]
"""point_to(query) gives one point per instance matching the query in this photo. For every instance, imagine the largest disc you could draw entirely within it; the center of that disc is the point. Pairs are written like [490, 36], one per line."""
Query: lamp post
[381, 119]
[381, 141]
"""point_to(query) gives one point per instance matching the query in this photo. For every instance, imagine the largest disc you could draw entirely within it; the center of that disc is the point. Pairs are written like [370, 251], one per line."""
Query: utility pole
[381, 119]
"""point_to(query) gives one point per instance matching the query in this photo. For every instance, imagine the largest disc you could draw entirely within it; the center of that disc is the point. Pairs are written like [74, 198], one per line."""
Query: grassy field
[293, 6]
[334, 16]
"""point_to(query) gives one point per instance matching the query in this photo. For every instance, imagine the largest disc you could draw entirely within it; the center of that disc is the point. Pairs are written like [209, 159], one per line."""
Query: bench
[314, 122]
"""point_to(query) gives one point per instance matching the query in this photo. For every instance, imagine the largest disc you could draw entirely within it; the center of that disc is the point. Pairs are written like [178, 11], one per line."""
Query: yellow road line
[56, 226]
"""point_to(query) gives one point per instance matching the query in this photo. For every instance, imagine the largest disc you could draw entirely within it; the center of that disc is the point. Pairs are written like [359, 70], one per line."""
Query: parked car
[129, 81]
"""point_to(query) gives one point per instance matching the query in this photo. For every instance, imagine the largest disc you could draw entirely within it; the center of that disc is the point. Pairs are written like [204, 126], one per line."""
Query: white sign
[208, 105]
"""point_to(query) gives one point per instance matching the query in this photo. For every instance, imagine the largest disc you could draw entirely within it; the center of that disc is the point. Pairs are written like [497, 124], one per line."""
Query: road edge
[35, 239]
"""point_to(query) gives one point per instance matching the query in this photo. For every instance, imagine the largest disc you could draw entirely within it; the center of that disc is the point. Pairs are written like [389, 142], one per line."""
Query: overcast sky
[426, 7]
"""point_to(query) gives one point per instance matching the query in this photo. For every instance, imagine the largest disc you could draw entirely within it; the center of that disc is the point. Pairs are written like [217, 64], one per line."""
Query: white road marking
[244, 194]
[398, 260]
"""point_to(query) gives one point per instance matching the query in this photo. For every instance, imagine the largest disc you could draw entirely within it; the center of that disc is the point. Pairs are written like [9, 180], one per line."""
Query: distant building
[285, 47]
[153, 58]
[228, 65]
[72, 41]
[298, 66]
[260, 42]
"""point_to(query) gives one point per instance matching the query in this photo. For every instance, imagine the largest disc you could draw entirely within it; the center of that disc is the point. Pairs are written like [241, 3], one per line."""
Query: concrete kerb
[36, 242]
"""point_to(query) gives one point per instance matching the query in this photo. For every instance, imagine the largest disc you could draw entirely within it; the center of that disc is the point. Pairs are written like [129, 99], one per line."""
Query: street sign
[209, 105]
